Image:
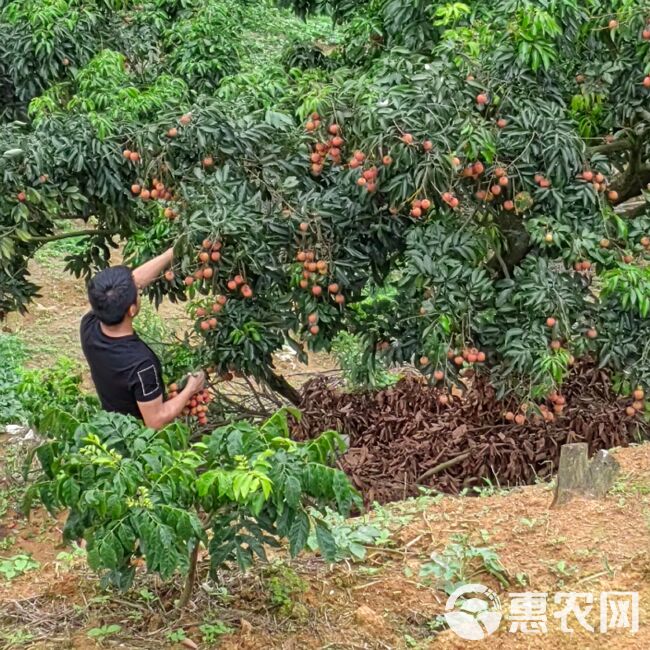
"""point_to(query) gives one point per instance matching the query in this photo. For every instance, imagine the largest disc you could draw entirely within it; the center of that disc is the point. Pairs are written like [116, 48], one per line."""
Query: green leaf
[292, 491]
[325, 539]
[299, 532]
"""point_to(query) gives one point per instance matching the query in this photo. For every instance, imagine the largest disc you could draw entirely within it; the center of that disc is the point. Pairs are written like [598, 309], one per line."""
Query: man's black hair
[111, 292]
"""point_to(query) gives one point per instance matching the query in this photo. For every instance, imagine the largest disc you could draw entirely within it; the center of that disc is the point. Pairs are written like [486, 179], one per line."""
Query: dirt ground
[590, 547]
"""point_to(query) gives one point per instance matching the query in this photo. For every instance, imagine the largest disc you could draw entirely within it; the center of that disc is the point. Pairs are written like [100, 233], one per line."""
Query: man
[126, 372]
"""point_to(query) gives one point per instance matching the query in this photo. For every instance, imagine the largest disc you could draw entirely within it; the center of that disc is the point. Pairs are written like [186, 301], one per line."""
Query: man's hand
[158, 413]
[195, 382]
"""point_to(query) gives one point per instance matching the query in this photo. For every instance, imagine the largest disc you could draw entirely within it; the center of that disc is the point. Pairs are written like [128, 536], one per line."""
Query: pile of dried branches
[402, 437]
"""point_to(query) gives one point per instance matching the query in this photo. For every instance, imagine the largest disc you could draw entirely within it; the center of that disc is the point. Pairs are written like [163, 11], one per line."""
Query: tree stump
[579, 477]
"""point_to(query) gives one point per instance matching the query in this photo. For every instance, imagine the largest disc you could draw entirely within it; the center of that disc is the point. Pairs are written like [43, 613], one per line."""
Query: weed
[146, 595]
[12, 354]
[460, 562]
[390, 517]
[176, 636]
[437, 624]
[217, 592]
[17, 565]
[15, 638]
[562, 570]
[48, 391]
[283, 586]
[210, 632]
[103, 632]
[351, 535]
[488, 490]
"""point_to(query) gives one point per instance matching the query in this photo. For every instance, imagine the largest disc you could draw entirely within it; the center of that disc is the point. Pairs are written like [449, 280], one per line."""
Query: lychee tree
[473, 165]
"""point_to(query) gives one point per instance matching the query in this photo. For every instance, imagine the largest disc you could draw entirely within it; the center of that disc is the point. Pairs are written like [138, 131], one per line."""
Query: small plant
[65, 561]
[461, 562]
[176, 636]
[562, 569]
[352, 536]
[211, 632]
[17, 565]
[146, 595]
[103, 632]
[522, 579]
[529, 523]
[283, 585]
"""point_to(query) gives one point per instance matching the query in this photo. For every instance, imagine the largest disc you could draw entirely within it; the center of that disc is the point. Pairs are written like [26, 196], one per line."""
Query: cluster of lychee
[542, 181]
[458, 358]
[210, 254]
[637, 405]
[599, 182]
[558, 403]
[322, 151]
[156, 192]
[197, 407]
[206, 321]
[312, 319]
[368, 178]
[419, 207]
[315, 270]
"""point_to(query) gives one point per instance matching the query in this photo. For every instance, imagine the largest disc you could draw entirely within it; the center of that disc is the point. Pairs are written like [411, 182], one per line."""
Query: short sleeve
[87, 321]
[146, 382]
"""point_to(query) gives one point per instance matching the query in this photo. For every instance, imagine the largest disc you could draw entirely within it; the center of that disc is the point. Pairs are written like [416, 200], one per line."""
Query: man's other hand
[196, 381]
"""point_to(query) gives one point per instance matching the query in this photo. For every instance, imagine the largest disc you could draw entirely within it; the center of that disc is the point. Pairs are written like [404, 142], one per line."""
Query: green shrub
[133, 492]
[12, 354]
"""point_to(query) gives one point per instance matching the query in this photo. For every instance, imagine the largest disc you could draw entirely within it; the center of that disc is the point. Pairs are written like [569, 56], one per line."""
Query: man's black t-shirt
[124, 368]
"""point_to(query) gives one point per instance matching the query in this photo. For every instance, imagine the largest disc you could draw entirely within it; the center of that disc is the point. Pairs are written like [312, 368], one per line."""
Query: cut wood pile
[403, 437]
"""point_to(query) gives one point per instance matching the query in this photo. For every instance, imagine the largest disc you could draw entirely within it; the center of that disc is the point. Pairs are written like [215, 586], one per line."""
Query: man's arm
[145, 274]
[157, 413]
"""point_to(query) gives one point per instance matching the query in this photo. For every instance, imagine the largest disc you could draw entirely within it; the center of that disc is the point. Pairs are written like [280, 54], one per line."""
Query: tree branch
[623, 144]
[632, 208]
[72, 233]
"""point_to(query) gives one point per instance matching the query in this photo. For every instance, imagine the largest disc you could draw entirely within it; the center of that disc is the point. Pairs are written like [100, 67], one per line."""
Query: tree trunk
[577, 476]
[281, 386]
[188, 588]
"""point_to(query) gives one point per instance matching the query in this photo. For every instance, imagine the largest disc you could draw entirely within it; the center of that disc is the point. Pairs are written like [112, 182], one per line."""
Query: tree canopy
[440, 178]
